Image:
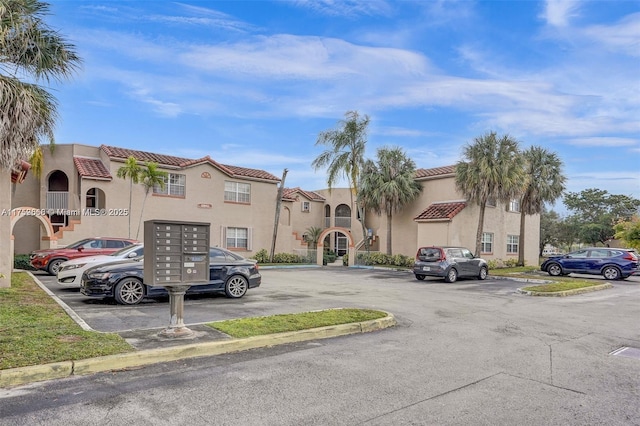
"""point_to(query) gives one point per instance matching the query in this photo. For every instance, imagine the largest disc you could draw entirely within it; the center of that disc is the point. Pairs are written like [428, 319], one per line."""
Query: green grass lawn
[247, 327]
[34, 329]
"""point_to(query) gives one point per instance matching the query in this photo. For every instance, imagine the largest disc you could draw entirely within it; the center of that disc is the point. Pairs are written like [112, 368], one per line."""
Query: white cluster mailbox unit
[176, 256]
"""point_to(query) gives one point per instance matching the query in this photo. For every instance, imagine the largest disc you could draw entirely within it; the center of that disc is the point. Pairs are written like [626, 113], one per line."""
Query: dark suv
[611, 263]
[449, 263]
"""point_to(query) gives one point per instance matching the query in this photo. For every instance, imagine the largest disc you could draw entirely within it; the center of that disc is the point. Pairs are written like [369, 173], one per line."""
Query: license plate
[426, 268]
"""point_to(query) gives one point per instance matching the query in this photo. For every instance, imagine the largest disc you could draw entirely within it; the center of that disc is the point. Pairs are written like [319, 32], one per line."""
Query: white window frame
[487, 242]
[237, 192]
[306, 206]
[175, 185]
[240, 238]
[514, 206]
[513, 241]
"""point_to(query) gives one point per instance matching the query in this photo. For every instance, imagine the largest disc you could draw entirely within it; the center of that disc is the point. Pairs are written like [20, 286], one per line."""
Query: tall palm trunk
[521, 240]
[130, 199]
[480, 229]
[389, 244]
[144, 201]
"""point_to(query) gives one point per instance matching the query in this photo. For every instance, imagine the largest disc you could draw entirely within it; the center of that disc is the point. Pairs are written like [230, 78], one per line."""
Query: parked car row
[101, 270]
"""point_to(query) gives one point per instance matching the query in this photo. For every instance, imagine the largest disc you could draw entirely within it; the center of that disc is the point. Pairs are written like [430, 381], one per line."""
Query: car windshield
[123, 251]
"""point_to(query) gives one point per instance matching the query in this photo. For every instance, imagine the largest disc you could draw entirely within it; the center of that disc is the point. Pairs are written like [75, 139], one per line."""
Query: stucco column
[6, 261]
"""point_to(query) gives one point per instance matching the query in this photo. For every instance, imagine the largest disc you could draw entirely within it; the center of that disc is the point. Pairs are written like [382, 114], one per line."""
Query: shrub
[286, 258]
[21, 261]
[261, 256]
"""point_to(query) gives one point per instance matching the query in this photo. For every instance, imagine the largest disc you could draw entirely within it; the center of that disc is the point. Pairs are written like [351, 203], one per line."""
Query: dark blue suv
[612, 263]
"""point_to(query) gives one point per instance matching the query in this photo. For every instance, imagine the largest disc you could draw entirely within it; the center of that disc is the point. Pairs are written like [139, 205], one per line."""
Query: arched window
[343, 216]
[327, 216]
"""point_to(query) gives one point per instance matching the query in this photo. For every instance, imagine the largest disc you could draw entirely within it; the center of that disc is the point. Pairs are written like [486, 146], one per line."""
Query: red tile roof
[181, 162]
[290, 194]
[91, 168]
[19, 173]
[437, 171]
[440, 211]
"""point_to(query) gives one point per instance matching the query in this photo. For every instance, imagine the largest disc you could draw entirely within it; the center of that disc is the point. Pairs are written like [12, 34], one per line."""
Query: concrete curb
[58, 370]
[566, 292]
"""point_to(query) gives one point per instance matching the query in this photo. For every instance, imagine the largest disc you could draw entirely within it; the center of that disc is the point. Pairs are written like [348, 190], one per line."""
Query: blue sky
[253, 83]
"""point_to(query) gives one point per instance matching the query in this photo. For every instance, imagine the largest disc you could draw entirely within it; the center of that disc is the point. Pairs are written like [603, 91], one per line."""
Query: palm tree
[32, 50]
[149, 177]
[545, 184]
[131, 170]
[312, 235]
[389, 185]
[345, 158]
[493, 168]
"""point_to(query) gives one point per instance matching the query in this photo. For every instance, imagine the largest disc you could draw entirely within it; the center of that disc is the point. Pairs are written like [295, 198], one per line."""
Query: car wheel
[236, 287]
[420, 277]
[554, 270]
[452, 276]
[483, 273]
[129, 291]
[611, 273]
[54, 266]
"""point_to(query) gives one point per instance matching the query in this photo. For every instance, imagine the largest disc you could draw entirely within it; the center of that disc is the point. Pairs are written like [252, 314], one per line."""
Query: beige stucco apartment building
[79, 195]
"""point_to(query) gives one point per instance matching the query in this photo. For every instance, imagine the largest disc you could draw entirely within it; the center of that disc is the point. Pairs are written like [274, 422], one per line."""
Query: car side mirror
[132, 254]
[80, 248]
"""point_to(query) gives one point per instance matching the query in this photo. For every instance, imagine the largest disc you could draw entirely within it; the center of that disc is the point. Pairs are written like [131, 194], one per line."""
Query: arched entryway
[47, 241]
[351, 249]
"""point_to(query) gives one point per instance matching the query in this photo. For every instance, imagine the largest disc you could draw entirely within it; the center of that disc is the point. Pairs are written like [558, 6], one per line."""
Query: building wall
[203, 202]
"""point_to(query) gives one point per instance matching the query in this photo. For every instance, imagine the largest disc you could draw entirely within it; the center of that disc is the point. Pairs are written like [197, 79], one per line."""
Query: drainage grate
[627, 352]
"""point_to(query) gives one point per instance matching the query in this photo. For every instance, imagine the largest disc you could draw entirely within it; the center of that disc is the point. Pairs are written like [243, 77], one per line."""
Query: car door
[575, 261]
[461, 264]
[217, 268]
[93, 248]
[595, 260]
[472, 263]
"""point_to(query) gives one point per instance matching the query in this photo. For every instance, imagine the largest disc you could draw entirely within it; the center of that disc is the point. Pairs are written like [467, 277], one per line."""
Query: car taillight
[630, 256]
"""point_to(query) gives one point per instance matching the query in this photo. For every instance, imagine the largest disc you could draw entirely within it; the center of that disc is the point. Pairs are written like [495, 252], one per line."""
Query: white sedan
[70, 272]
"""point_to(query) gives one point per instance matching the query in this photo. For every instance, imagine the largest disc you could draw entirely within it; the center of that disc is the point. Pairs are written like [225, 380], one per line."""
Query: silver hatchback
[448, 263]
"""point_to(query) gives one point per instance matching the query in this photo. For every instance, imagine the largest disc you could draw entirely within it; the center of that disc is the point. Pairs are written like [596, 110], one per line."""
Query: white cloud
[624, 36]
[558, 13]
[604, 142]
[347, 8]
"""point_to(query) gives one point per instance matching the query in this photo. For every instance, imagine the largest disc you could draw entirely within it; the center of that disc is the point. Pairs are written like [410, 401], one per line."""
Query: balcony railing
[57, 200]
[343, 222]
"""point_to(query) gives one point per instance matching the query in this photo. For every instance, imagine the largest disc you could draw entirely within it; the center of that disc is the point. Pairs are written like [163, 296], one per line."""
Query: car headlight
[99, 275]
[41, 256]
[76, 266]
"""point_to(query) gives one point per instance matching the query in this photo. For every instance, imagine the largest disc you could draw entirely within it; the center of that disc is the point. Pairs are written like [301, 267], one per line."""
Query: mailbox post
[176, 256]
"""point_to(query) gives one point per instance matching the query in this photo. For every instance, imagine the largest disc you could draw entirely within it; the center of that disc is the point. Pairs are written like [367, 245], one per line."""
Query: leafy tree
[549, 229]
[312, 235]
[598, 212]
[569, 232]
[389, 185]
[31, 50]
[345, 157]
[492, 168]
[629, 232]
[149, 177]
[131, 170]
[545, 184]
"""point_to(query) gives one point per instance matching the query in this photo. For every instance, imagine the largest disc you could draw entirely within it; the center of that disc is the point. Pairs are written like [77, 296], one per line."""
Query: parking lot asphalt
[471, 352]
